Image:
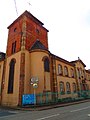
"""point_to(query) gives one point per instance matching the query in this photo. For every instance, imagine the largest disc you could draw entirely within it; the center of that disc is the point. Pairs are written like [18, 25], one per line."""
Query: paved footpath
[43, 107]
[52, 106]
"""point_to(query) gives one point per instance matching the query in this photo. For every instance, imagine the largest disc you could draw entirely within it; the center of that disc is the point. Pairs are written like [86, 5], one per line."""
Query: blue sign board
[28, 99]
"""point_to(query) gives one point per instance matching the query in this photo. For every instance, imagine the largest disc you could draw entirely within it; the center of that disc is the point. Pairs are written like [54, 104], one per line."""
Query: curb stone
[43, 107]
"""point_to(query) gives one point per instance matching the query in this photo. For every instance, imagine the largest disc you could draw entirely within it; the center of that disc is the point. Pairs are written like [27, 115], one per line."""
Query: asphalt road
[73, 112]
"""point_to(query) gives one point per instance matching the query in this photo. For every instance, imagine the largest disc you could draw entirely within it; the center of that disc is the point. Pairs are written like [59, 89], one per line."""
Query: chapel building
[27, 56]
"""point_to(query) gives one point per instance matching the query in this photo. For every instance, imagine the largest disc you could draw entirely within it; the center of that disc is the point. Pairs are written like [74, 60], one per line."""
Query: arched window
[81, 72]
[60, 72]
[68, 87]
[72, 73]
[66, 71]
[74, 87]
[62, 90]
[11, 76]
[13, 47]
[87, 87]
[46, 65]
[89, 77]
[84, 74]
[37, 31]
[0, 81]
[15, 29]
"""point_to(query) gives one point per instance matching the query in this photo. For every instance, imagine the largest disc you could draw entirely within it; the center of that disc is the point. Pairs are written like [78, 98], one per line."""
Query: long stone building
[27, 56]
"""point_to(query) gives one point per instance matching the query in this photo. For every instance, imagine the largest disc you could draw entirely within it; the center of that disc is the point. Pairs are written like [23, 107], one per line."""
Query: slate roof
[63, 60]
[2, 56]
[29, 15]
[38, 45]
[79, 60]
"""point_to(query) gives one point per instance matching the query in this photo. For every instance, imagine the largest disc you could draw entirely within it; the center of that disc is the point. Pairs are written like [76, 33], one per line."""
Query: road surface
[74, 112]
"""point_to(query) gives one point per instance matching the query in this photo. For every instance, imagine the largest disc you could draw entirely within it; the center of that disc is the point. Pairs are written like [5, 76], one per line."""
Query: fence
[53, 98]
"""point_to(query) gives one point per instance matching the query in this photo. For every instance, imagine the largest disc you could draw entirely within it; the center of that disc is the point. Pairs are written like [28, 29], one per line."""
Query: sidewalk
[39, 108]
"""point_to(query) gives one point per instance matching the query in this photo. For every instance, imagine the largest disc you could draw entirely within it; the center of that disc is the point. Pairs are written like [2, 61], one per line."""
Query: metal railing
[54, 98]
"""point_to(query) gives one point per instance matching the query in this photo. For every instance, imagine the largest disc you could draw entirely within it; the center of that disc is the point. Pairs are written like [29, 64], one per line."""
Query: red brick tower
[33, 31]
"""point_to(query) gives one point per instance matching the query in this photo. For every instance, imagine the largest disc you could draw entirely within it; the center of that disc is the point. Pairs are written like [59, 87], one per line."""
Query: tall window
[11, 76]
[78, 73]
[60, 69]
[0, 56]
[72, 73]
[81, 72]
[66, 71]
[0, 70]
[46, 65]
[14, 47]
[88, 77]
[68, 87]
[74, 87]
[62, 90]
[0, 79]
[84, 74]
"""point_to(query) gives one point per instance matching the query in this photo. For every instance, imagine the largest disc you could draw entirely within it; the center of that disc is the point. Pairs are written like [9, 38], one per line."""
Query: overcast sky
[68, 22]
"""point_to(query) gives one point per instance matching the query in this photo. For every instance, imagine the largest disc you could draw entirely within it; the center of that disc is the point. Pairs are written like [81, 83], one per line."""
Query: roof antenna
[78, 58]
[29, 5]
[16, 7]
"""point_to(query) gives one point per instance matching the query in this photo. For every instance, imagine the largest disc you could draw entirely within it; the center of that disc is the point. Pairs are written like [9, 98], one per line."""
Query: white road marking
[48, 117]
[6, 116]
[80, 109]
[88, 115]
[14, 112]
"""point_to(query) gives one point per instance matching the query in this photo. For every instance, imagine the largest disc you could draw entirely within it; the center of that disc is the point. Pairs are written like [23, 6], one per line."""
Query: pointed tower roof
[29, 15]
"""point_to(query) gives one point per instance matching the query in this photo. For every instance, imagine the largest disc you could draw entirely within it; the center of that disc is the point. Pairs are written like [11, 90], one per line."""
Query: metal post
[34, 97]
[34, 83]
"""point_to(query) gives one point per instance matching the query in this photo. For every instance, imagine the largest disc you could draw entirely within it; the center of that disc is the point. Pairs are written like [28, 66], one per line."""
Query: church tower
[25, 34]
